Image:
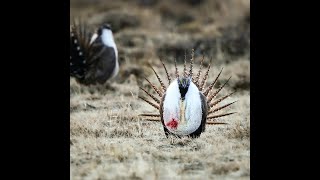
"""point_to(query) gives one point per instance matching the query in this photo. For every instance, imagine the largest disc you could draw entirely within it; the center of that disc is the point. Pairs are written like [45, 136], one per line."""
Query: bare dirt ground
[108, 138]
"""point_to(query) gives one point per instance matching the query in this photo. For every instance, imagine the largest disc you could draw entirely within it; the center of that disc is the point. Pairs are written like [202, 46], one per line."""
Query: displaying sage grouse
[186, 106]
[93, 59]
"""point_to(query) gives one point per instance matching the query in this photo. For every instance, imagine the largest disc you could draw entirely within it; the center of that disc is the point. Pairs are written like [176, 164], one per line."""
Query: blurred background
[146, 30]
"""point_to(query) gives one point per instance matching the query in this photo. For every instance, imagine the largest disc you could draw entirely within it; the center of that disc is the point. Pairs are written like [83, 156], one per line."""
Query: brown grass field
[108, 138]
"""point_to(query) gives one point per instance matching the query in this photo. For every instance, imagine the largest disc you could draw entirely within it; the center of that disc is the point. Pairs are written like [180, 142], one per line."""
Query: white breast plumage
[192, 112]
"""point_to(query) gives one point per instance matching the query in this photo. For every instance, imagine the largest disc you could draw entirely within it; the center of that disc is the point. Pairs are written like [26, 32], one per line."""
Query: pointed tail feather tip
[165, 68]
[220, 115]
[204, 80]
[154, 87]
[150, 95]
[151, 115]
[147, 101]
[208, 90]
[159, 79]
[220, 123]
[199, 73]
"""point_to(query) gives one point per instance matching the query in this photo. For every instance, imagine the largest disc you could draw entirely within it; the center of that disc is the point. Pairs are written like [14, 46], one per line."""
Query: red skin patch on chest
[172, 124]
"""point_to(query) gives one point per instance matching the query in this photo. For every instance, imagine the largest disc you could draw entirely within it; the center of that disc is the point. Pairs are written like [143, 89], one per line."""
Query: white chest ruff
[191, 108]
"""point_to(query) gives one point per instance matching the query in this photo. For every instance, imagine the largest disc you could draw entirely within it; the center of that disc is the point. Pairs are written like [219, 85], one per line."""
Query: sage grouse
[93, 59]
[186, 105]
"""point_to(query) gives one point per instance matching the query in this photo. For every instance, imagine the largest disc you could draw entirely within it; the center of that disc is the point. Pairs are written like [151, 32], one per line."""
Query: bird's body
[185, 105]
[93, 59]
[182, 116]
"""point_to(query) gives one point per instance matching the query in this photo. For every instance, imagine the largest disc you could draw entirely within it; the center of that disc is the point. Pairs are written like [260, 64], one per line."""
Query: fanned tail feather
[185, 64]
[152, 104]
[150, 115]
[169, 79]
[152, 119]
[196, 81]
[220, 115]
[214, 123]
[154, 87]
[175, 65]
[206, 92]
[191, 65]
[159, 79]
[220, 88]
[204, 80]
[219, 100]
[220, 108]
[152, 96]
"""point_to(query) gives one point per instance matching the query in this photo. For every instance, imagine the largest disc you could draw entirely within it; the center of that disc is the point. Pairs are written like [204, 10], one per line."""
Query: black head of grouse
[93, 58]
[186, 106]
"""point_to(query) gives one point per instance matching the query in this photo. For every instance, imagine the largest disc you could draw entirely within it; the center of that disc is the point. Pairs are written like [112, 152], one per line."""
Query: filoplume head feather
[93, 57]
[185, 106]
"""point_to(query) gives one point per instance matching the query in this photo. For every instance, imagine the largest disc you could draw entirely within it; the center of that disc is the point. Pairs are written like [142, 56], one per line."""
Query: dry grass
[110, 141]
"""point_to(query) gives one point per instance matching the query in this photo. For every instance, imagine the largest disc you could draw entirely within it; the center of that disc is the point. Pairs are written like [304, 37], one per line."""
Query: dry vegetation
[110, 141]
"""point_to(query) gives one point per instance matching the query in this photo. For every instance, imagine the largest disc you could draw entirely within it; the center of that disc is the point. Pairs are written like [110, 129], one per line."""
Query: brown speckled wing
[161, 108]
[204, 106]
[202, 127]
[166, 131]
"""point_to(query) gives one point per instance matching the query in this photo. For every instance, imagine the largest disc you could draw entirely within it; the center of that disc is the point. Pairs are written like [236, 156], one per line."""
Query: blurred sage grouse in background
[186, 105]
[93, 59]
